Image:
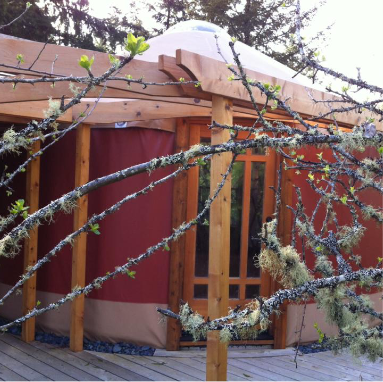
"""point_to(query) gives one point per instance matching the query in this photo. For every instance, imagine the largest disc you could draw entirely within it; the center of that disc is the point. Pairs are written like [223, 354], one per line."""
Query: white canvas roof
[199, 37]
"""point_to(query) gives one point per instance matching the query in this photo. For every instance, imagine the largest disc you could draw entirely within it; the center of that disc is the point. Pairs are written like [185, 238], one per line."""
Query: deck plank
[308, 369]
[362, 365]
[121, 372]
[7, 374]
[237, 368]
[152, 375]
[24, 370]
[41, 367]
[273, 368]
[158, 366]
[185, 367]
[93, 371]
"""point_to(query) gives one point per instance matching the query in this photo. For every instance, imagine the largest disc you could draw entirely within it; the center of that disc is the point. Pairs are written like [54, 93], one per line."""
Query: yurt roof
[202, 37]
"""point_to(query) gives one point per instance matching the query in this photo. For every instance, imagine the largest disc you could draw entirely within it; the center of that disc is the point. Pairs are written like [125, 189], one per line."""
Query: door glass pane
[234, 292]
[236, 217]
[251, 291]
[258, 151]
[202, 243]
[200, 291]
[255, 217]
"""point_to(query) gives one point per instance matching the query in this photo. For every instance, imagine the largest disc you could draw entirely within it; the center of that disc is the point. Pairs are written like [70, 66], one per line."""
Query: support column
[30, 244]
[79, 247]
[219, 242]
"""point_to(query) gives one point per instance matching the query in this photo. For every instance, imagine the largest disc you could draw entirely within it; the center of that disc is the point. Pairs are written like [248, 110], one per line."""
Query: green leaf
[135, 45]
[380, 150]
[20, 58]
[166, 247]
[311, 176]
[320, 156]
[181, 79]
[343, 199]
[85, 62]
[131, 274]
[19, 208]
[113, 60]
[205, 222]
[201, 162]
[38, 303]
[9, 193]
[94, 228]
[352, 190]
[28, 5]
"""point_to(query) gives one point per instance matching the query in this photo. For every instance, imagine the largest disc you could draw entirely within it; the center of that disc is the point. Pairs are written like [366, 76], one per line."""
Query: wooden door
[252, 201]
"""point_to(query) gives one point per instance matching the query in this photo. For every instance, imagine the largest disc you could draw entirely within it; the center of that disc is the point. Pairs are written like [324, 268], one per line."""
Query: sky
[355, 40]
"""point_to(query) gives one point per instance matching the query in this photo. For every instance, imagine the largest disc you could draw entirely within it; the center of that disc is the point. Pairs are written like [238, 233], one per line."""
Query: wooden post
[79, 247]
[177, 250]
[30, 245]
[219, 242]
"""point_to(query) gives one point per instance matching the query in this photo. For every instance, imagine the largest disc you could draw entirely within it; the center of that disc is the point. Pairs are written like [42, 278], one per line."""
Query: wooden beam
[213, 74]
[31, 110]
[144, 110]
[177, 249]
[219, 242]
[30, 245]
[139, 110]
[66, 64]
[79, 247]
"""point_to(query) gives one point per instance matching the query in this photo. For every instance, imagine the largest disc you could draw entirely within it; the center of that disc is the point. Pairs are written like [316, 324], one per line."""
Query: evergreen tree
[68, 22]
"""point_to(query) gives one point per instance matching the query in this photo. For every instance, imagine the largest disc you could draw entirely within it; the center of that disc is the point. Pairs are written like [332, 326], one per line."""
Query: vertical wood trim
[177, 248]
[284, 232]
[192, 208]
[268, 210]
[79, 247]
[30, 244]
[245, 227]
[219, 242]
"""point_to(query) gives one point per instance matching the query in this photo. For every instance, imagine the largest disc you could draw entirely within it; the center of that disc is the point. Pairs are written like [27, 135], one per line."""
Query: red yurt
[131, 126]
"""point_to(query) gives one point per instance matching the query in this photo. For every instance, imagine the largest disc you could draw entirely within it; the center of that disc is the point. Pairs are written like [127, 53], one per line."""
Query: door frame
[182, 253]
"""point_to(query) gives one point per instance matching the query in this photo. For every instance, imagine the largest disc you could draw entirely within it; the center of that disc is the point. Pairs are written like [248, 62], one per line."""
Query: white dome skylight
[197, 25]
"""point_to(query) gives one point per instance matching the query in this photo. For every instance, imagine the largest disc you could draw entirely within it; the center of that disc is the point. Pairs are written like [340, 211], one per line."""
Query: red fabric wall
[371, 245]
[136, 226]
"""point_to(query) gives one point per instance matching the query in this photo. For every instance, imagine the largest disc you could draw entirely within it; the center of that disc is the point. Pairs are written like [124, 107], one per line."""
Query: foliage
[69, 22]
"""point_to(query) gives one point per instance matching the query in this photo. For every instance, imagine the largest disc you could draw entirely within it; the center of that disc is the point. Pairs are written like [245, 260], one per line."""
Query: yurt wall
[369, 248]
[124, 308]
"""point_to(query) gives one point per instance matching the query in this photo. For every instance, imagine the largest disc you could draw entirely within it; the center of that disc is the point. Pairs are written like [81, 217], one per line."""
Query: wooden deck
[37, 361]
